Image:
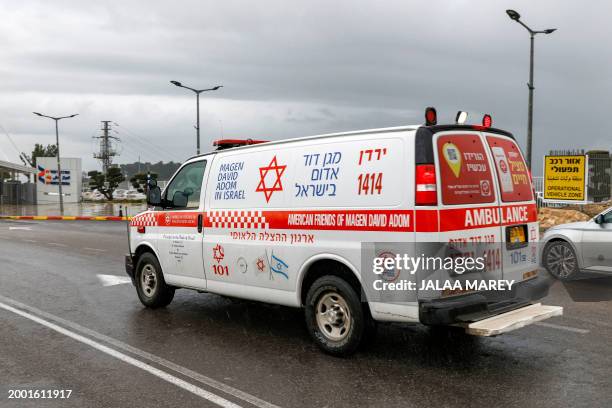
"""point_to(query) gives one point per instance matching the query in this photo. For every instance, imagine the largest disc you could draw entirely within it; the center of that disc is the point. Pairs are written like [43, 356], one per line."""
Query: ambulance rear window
[465, 172]
[512, 173]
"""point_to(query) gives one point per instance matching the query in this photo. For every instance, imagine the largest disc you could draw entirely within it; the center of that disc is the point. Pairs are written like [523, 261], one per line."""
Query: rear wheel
[560, 260]
[335, 316]
[151, 287]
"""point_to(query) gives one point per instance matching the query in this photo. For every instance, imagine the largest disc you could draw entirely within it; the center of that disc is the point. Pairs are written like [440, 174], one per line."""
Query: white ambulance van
[286, 222]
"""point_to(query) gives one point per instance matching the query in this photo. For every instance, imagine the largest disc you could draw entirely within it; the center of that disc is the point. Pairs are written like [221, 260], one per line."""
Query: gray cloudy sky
[296, 68]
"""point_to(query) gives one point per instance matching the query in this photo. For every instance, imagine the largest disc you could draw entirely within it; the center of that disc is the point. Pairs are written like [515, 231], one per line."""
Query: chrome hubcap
[561, 261]
[333, 316]
[148, 280]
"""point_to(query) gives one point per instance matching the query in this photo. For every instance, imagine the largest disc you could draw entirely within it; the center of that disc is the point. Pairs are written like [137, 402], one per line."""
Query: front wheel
[151, 287]
[335, 317]
[560, 260]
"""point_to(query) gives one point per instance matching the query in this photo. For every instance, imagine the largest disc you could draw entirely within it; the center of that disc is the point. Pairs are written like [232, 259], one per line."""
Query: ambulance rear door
[468, 212]
[518, 211]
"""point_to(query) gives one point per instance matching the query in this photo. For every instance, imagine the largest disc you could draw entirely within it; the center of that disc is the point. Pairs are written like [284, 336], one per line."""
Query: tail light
[426, 190]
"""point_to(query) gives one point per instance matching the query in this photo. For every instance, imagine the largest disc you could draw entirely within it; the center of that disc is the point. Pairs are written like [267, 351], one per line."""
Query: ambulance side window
[185, 189]
[465, 171]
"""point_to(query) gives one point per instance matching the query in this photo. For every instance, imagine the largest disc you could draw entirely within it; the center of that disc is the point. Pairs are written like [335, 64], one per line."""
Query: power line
[148, 145]
[11, 141]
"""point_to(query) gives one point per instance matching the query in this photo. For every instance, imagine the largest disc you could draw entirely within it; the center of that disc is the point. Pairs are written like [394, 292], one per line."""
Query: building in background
[17, 184]
[47, 180]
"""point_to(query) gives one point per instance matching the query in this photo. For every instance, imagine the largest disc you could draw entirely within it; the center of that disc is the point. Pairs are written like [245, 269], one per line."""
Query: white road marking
[29, 240]
[94, 249]
[560, 327]
[200, 392]
[20, 228]
[228, 389]
[56, 244]
[112, 280]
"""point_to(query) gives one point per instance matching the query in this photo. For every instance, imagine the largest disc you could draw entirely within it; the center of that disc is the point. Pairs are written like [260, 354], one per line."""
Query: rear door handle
[199, 222]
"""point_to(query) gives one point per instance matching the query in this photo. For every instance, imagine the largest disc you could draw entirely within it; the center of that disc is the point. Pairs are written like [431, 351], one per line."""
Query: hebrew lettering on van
[511, 169]
[347, 173]
[292, 238]
[370, 183]
[324, 170]
[226, 187]
[464, 170]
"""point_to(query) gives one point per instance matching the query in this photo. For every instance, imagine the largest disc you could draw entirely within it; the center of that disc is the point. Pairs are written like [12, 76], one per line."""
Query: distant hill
[163, 170]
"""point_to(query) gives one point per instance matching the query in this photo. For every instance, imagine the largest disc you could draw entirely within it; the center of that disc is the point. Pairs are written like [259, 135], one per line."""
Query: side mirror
[153, 196]
[599, 219]
[179, 200]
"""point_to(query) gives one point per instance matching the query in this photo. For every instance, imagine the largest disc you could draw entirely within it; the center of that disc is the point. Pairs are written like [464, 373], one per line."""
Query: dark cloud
[297, 68]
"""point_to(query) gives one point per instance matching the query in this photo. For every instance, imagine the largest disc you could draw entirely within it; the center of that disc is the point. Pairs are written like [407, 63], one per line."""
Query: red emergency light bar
[431, 116]
[229, 143]
[431, 119]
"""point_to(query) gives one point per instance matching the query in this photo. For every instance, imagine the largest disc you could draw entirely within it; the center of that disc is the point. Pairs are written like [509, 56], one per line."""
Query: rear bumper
[129, 267]
[482, 305]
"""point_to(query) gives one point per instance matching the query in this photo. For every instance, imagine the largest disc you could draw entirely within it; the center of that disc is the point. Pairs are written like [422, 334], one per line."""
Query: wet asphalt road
[250, 354]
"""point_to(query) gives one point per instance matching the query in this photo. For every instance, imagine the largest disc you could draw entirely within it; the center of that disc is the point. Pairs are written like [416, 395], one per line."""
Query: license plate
[516, 236]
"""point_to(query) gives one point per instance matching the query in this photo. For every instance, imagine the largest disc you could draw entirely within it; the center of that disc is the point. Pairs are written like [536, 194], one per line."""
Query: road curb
[63, 218]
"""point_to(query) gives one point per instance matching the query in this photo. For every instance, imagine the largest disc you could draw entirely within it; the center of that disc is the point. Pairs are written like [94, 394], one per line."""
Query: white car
[303, 223]
[572, 249]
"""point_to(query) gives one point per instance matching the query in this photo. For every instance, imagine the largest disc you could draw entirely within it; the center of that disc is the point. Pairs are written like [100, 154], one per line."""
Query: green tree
[106, 183]
[42, 151]
[139, 181]
[163, 170]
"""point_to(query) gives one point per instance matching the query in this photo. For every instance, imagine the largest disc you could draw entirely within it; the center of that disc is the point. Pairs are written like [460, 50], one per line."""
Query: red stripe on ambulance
[352, 220]
[484, 217]
[347, 220]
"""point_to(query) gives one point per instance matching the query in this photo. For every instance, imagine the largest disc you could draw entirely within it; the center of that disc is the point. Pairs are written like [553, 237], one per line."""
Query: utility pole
[59, 166]
[106, 153]
[532, 33]
[197, 92]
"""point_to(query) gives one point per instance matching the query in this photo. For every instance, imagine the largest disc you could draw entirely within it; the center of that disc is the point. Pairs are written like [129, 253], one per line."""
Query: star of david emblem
[276, 171]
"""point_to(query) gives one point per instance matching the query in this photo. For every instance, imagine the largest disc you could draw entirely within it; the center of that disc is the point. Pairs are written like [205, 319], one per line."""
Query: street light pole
[197, 92]
[59, 166]
[530, 105]
[532, 33]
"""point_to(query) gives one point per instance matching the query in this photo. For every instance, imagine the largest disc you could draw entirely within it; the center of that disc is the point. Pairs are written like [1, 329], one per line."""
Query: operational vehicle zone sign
[565, 178]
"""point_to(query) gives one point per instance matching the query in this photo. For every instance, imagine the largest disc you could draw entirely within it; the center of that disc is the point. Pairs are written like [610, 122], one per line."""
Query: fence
[600, 165]
[15, 192]
[599, 187]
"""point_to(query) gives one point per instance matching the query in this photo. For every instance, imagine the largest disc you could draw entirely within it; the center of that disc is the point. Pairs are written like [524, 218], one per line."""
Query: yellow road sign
[565, 178]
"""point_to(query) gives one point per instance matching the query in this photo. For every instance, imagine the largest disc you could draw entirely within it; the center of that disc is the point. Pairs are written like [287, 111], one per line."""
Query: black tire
[560, 260]
[151, 287]
[335, 317]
